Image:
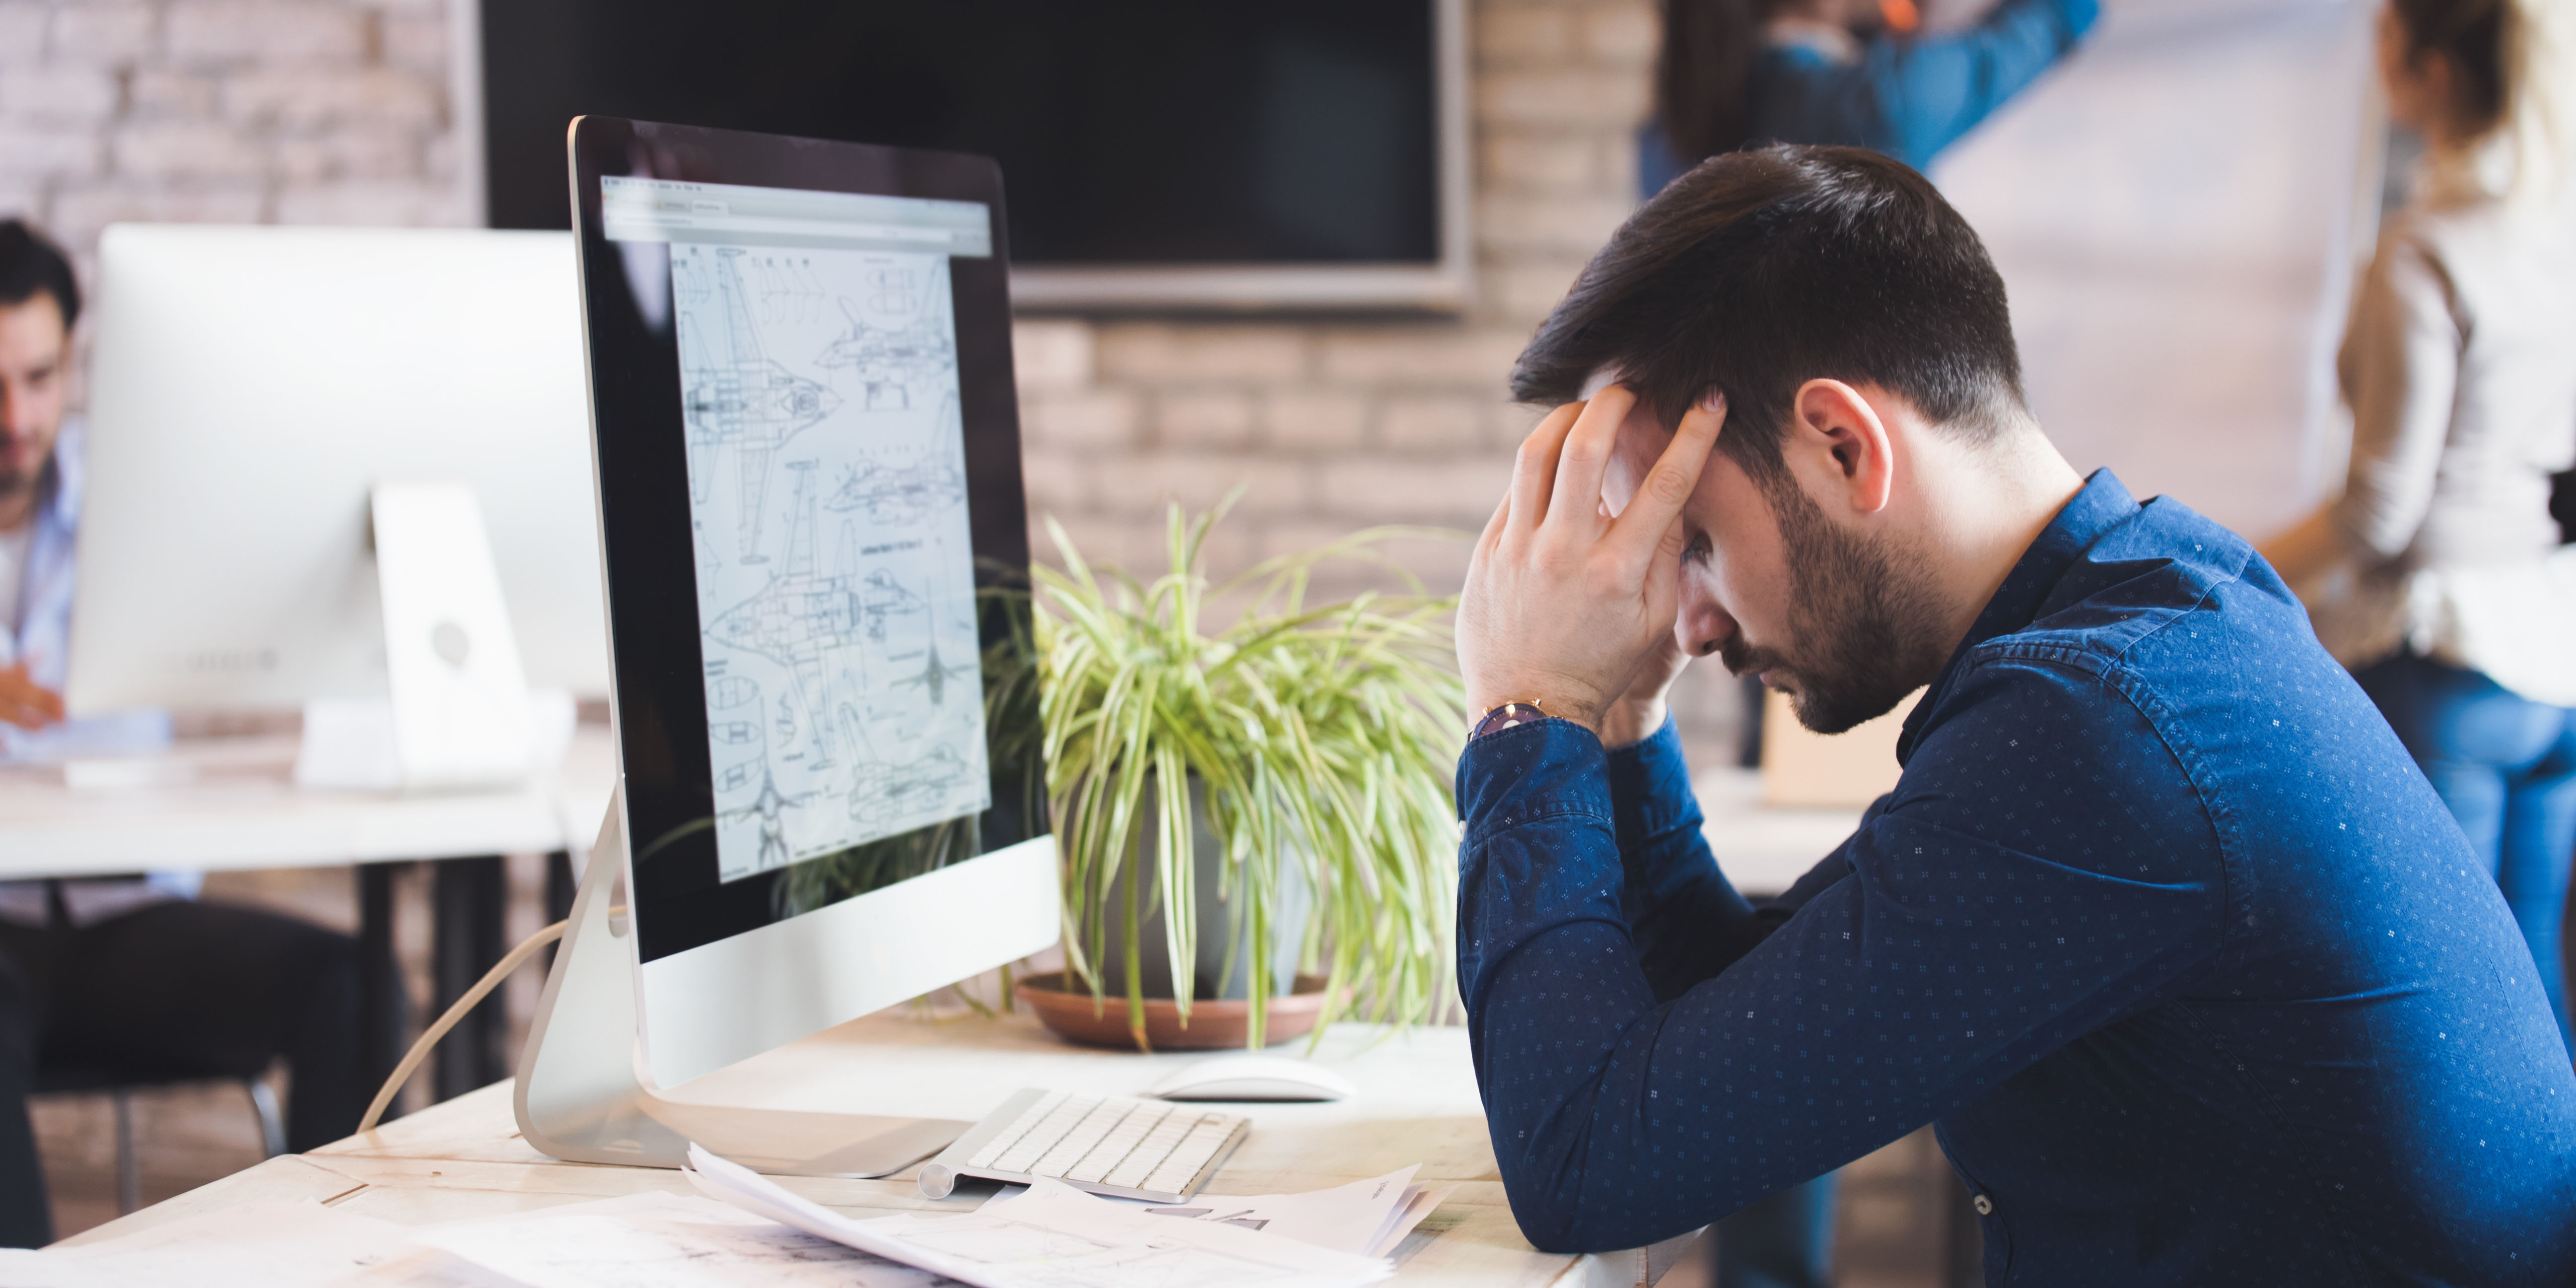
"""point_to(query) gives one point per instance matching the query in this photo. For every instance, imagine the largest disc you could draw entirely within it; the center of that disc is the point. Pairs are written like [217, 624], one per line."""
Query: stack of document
[749, 1232]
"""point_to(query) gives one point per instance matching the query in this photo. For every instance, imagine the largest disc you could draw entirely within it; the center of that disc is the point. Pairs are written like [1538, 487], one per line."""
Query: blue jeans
[1784, 1241]
[2507, 768]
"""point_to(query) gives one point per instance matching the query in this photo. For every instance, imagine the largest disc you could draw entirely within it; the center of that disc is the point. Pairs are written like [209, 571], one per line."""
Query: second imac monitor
[810, 494]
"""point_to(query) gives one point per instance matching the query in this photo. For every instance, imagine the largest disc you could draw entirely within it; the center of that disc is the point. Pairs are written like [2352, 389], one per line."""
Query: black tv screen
[1131, 133]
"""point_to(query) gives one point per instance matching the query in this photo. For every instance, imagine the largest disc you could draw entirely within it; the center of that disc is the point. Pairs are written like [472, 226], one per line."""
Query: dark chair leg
[272, 1123]
[384, 1005]
[129, 1177]
[471, 900]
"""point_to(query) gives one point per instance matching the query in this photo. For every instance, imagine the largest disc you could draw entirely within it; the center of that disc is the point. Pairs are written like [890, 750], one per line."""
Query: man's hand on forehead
[1565, 602]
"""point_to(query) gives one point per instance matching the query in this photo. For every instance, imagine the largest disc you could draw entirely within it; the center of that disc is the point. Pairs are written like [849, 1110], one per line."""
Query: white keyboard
[1137, 1149]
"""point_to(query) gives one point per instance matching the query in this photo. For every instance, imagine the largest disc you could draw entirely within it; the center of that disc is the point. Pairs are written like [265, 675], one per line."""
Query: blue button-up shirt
[2161, 928]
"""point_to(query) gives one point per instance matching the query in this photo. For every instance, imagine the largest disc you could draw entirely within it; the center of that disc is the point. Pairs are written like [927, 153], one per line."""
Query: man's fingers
[1534, 472]
[1494, 526]
[1586, 455]
[1650, 517]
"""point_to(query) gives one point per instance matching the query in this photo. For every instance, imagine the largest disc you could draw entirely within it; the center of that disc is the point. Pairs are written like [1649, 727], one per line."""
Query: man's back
[2357, 1048]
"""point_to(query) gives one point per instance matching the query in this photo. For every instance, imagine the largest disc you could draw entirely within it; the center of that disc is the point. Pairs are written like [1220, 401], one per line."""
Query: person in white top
[127, 976]
[2440, 576]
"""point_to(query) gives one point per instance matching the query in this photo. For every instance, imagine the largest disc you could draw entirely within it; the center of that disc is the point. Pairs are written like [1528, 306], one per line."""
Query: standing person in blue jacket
[2161, 928]
[1745, 73]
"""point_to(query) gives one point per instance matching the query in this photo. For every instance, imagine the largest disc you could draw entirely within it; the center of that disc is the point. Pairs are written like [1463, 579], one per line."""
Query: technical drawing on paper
[835, 567]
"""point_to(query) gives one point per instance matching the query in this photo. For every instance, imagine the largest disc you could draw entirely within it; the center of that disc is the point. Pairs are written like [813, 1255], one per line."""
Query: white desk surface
[1417, 1104]
[240, 808]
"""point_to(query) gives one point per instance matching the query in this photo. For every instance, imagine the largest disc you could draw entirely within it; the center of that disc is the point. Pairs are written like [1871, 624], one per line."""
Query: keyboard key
[1070, 1148]
[1025, 1153]
[1008, 1136]
[1206, 1137]
[1114, 1148]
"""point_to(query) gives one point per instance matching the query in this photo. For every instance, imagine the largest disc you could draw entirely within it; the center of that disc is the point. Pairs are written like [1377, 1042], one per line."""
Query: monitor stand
[455, 715]
[580, 1097]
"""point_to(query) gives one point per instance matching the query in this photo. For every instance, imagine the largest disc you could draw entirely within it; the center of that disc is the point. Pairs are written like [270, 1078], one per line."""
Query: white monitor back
[250, 385]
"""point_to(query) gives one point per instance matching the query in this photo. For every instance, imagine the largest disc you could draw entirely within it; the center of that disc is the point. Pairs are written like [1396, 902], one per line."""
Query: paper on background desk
[1052, 1236]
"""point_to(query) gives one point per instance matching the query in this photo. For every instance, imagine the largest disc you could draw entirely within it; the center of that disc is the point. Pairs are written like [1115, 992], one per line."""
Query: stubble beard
[1861, 623]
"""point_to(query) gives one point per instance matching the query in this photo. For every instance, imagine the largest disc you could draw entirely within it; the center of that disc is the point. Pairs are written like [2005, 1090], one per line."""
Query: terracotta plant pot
[1214, 1023]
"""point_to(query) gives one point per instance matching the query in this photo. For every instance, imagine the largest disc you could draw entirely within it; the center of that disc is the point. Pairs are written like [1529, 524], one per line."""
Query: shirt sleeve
[1978, 928]
[2401, 371]
[1685, 918]
[1920, 96]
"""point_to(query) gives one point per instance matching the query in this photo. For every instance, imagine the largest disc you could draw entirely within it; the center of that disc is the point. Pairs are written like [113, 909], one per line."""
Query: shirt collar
[2101, 505]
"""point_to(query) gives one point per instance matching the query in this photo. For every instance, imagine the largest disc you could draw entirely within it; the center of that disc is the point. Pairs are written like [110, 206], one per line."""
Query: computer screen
[827, 502]
[250, 386]
[813, 527]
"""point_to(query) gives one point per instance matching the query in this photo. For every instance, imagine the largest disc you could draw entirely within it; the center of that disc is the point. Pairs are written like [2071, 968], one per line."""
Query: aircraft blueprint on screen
[835, 571]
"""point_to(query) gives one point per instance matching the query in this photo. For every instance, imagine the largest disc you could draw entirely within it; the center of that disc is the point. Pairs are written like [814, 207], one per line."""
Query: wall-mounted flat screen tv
[1157, 153]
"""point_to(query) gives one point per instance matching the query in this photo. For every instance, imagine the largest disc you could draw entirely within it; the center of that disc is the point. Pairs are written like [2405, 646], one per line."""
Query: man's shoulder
[2167, 572]
[2121, 657]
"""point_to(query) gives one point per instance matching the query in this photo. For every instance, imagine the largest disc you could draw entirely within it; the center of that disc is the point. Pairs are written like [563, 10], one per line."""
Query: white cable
[483, 987]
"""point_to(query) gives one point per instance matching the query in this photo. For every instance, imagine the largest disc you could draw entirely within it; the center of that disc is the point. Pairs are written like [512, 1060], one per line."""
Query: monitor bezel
[639, 454]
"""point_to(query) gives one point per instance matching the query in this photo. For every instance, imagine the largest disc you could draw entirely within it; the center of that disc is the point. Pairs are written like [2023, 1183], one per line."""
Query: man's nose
[1700, 626]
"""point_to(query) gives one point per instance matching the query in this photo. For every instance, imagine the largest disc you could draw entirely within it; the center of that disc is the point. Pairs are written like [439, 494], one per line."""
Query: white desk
[240, 808]
[237, 806]
[1417, 1104]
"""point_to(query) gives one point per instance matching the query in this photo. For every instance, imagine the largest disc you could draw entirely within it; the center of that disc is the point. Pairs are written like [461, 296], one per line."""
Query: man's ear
[1839, 447]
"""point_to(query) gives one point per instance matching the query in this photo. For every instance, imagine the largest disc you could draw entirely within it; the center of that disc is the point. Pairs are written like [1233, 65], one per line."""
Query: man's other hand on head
[1565, 603]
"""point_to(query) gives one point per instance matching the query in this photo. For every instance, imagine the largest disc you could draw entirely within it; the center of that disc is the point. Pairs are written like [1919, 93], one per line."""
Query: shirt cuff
[1537, 770]
[1650, 791]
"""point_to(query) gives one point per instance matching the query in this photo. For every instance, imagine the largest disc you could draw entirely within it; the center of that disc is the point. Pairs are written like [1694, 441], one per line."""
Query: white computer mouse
[1253, 1077]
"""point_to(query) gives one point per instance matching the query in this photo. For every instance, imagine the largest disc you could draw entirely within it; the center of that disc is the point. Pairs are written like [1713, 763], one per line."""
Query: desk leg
[470, 899]
[384, 1016]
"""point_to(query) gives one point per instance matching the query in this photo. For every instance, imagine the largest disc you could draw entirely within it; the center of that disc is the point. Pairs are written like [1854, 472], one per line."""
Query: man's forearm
[1685, 919]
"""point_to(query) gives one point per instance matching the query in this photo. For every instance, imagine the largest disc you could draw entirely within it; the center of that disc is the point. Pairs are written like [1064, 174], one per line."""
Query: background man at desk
[2160, 927]
[127, 974]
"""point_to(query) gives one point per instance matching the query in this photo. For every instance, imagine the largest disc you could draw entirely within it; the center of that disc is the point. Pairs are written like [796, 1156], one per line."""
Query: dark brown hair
[2470, 34]
[29, 263]
[1704, 74]
[1759, 271]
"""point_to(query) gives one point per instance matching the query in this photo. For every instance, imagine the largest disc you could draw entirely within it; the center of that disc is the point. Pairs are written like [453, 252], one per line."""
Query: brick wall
[234, 111]
[341, 111]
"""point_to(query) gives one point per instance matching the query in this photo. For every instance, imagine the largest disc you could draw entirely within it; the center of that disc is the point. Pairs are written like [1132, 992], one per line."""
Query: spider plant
[1321, 740]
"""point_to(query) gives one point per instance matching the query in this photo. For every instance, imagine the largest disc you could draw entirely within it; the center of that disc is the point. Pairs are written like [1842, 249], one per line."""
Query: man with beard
[2161, 927]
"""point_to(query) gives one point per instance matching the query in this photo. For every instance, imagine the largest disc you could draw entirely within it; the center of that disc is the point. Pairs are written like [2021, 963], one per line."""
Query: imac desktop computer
[301, 443]
[815, 544]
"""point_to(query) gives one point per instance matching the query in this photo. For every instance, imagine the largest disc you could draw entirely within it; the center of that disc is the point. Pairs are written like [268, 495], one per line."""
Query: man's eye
[1698, 550]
